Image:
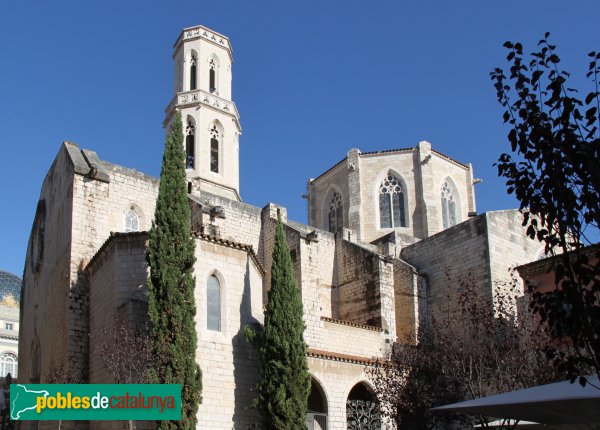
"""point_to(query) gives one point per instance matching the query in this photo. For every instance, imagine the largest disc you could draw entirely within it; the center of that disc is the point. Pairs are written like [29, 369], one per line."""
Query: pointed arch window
[213, 304]
[132, 221]
[392, 212]
[212, 76]
[336, 213]
[190, 144]
[193, 72]
[214, 149]
[448, 205]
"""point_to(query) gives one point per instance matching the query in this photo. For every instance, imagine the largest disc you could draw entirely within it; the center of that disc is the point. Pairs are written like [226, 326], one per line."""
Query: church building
[386, 231]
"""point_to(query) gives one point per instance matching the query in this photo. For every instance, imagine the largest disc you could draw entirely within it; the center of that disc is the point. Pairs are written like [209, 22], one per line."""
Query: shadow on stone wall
[246, 367]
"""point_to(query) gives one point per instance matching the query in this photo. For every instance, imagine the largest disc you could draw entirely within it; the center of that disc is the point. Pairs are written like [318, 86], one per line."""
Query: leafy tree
[554, 171]
[284, 382]
[473, 348]
[171, 285]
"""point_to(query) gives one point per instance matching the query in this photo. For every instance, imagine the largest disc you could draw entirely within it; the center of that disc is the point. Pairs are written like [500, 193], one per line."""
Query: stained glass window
[336, 213]
[132, 221]
[448, 206]
[391, 203]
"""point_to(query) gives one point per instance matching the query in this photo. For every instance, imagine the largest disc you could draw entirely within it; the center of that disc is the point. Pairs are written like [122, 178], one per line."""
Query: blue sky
[310, 79]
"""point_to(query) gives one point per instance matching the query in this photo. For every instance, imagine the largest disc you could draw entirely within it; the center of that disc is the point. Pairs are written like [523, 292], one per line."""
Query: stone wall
[447, 258]
[85, 199]
[359, 297]
[241, 222]
[336, 376]
[410, 301]
[483, 247]
[320, 194]
[346, 338]
[117, 275]
[99, 208]
[229, 364]
[47, 274]
[374, 168]
[506, 232]
[422, 171]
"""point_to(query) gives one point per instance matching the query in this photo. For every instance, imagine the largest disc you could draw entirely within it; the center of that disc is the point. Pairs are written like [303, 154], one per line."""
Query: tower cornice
[201, 32]
[203, 98]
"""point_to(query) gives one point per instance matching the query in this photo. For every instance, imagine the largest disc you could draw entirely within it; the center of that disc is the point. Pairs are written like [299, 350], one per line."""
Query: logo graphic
[24, 400]
[95, 402]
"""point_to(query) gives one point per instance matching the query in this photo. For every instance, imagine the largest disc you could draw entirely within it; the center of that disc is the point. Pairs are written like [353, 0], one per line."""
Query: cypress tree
[284, 383]
[171, 285]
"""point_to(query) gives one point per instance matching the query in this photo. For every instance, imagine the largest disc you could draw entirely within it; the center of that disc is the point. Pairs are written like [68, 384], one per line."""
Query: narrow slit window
[193, 73]
[190, 145]
[214, 149]
[212, 76]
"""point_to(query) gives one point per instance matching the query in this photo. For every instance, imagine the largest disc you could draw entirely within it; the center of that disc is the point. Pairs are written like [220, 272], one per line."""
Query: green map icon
[23, 399]
[89, 402]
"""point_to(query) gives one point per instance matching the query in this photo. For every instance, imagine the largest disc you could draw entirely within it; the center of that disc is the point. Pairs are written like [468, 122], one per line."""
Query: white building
[10, 291]
[384, 229]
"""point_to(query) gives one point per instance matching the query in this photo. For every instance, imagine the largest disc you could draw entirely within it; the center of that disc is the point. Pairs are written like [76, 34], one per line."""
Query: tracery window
[190, 144]
[336, 213]
[8, 364]
[132, 221]
[448, 206]
[193, 72]
[213, 304]
[391, 203]
[214, 149]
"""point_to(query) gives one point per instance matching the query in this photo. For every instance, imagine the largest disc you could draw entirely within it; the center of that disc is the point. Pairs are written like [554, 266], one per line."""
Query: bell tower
[211, 124]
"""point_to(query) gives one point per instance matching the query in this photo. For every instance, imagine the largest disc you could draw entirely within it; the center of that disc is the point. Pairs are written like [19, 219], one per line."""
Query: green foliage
[171, 284]
[284, 382]
[554, 171]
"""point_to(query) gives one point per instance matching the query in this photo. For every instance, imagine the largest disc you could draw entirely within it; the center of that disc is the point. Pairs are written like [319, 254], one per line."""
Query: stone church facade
[386, 230]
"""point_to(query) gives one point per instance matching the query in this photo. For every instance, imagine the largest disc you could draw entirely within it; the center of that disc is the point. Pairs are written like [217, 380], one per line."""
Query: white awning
[551, 404]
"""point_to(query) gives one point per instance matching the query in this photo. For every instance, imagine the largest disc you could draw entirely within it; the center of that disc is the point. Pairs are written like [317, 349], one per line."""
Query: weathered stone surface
[363, 288]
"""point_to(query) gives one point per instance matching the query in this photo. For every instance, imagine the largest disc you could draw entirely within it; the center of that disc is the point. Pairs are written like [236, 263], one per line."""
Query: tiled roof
[354, 359]
[235, 245]
[390, 151]
[348, 323]
[387, 151]
[113, 236]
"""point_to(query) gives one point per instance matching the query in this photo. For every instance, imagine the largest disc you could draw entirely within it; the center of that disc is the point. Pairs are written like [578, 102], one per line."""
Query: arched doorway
[316, 418]
[362, 409]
